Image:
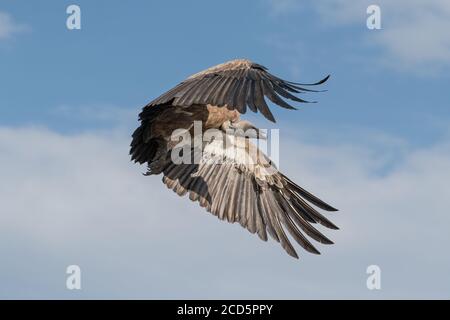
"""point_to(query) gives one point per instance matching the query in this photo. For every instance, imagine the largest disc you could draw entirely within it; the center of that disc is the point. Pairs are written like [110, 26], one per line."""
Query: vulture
[228, 175]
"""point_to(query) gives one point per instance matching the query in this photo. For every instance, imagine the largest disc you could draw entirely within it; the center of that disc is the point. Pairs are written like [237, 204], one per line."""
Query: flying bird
[245, 186]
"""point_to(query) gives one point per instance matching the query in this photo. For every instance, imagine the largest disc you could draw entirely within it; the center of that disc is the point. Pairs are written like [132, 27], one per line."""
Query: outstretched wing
[237, 87]
[262, 200]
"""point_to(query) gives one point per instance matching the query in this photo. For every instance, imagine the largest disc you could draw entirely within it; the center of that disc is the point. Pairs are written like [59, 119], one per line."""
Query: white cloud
[9, 27]
[76, 199]
[414, 33]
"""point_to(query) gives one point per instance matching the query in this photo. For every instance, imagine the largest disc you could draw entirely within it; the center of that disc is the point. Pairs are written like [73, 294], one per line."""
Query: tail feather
[144, 146]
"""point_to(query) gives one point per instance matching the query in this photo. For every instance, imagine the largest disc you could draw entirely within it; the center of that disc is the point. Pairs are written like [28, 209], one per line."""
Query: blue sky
[127, 54]
[381, 128]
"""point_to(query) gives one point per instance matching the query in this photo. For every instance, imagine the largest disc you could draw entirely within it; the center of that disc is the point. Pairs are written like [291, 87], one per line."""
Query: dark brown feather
[237, 84]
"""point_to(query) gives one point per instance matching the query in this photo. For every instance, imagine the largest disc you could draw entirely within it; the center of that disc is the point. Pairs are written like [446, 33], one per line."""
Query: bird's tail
[145, 147]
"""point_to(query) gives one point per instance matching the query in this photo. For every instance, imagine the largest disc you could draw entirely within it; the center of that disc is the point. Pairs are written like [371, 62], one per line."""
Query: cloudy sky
[376, 146]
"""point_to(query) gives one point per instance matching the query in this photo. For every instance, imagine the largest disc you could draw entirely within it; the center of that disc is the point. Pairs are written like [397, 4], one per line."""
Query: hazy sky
[376, 146]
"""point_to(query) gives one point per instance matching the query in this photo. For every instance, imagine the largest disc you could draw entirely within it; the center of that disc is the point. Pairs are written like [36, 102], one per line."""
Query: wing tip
[293, 254]
[312, 84]
[329, 208]
[325, 79]
[313, 250]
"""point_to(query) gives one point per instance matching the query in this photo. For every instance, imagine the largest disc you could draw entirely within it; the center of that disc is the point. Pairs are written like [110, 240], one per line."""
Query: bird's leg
[243, 128]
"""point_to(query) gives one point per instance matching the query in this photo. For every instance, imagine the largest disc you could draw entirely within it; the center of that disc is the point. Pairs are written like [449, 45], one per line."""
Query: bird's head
[243, 128]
